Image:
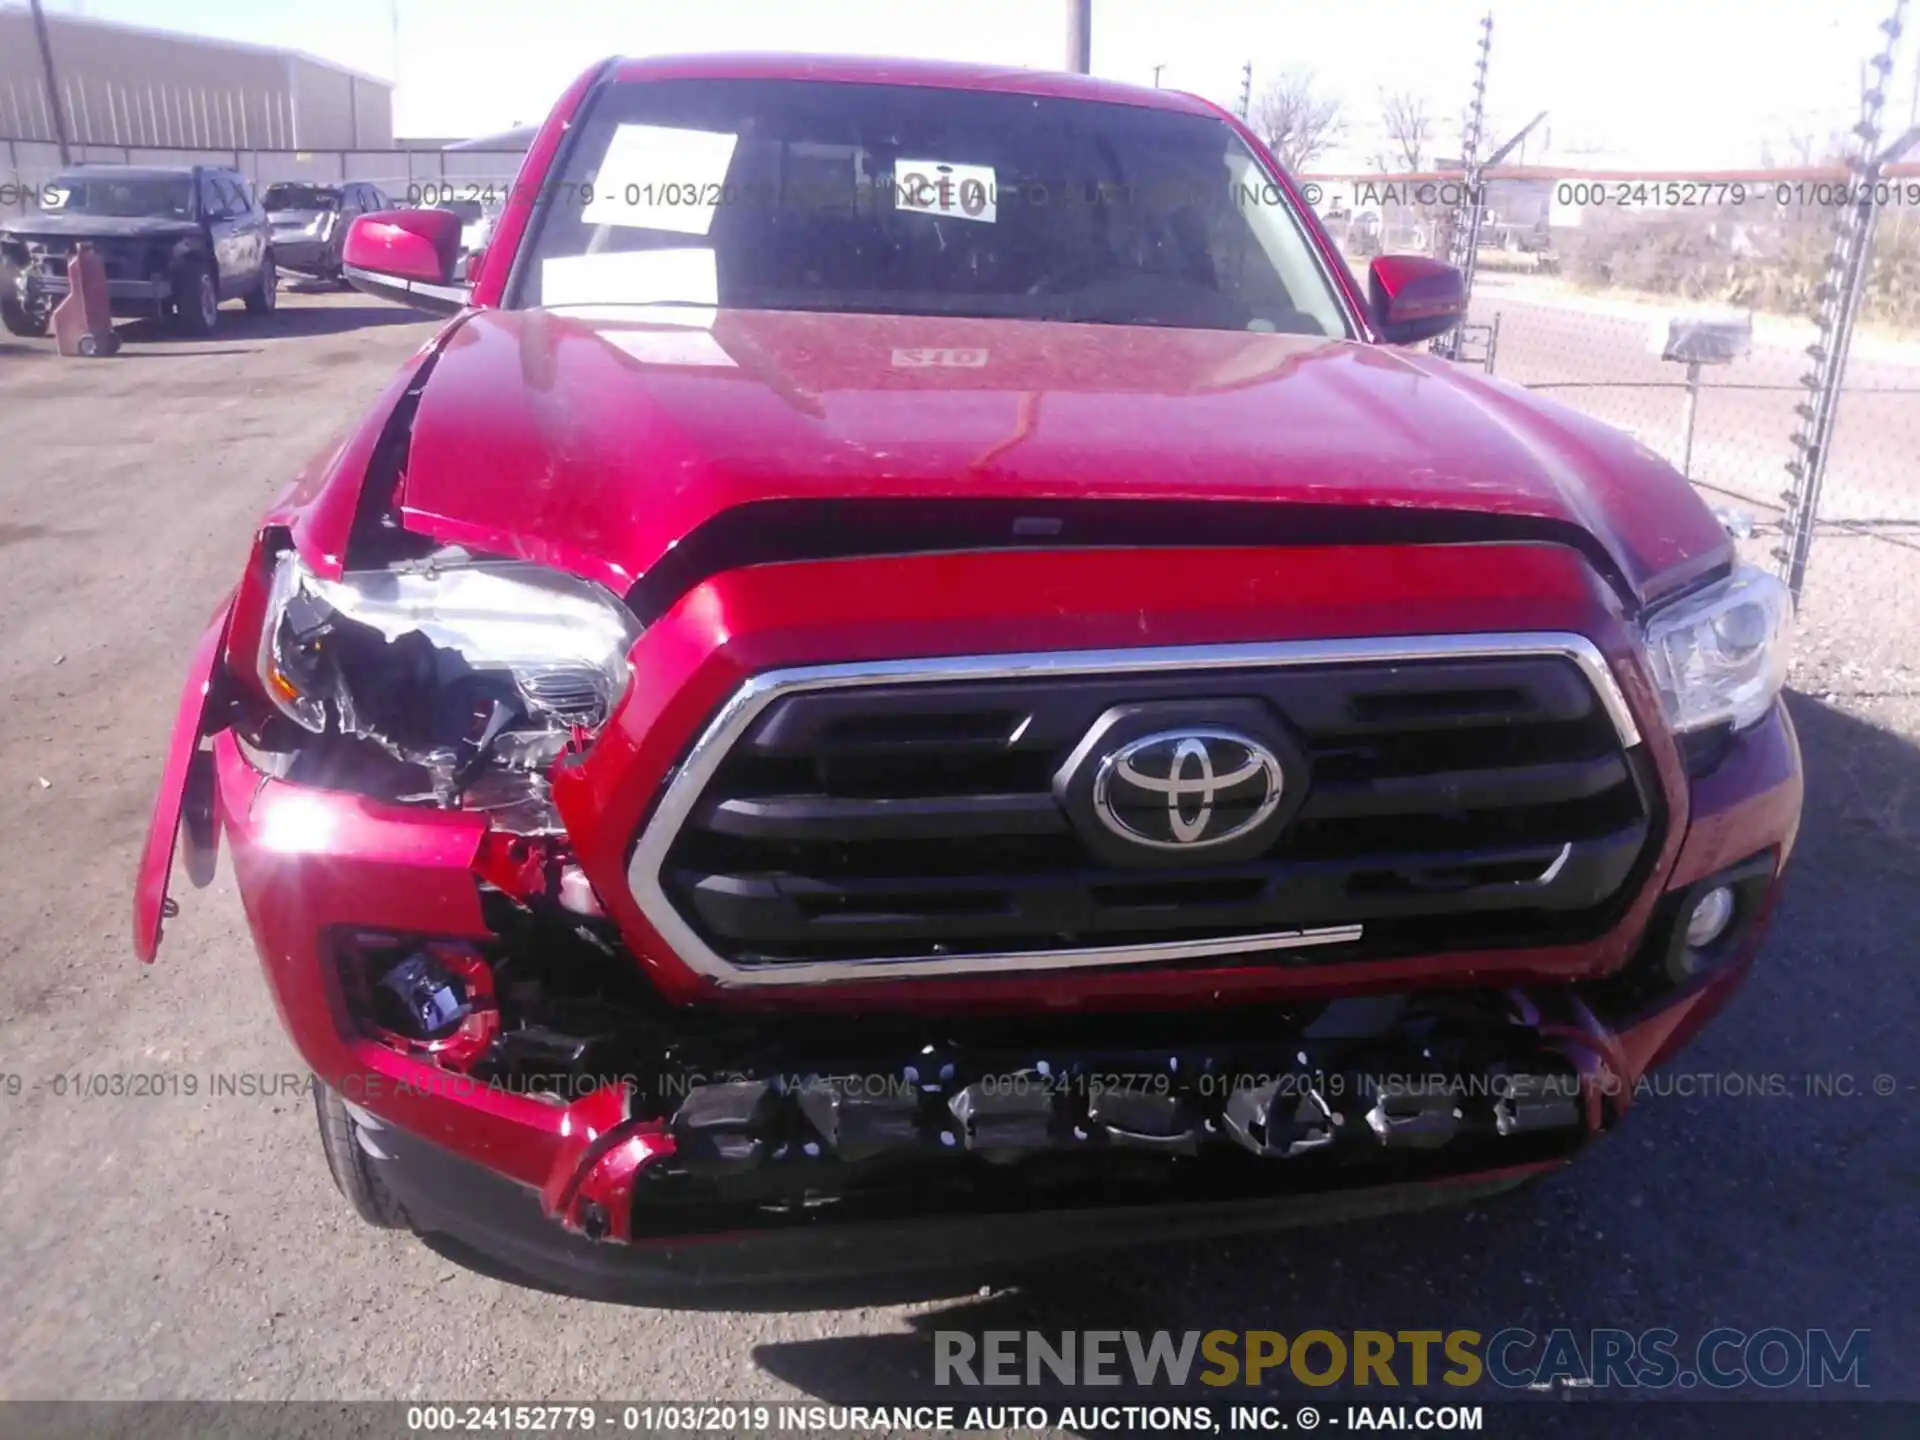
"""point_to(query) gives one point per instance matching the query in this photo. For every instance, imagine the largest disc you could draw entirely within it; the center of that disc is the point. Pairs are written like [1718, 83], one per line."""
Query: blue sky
[1667, 83]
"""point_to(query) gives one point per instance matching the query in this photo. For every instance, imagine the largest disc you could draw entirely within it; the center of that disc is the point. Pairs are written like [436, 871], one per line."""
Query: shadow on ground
[286, 322]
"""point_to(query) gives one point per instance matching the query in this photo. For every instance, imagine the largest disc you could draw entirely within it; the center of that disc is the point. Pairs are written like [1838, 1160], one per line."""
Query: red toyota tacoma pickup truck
[918, 674]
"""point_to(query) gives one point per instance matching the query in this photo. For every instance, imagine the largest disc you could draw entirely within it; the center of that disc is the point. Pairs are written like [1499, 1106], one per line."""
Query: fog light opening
[1712, 920]
[1712, 913]
[430, 999]
[431, 1002]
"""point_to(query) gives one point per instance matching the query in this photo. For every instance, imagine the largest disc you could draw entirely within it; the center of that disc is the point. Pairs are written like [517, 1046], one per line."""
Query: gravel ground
[193, 1246]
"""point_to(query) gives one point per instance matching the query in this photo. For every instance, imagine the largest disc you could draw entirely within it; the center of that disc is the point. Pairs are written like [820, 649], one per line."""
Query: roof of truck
[894, 70]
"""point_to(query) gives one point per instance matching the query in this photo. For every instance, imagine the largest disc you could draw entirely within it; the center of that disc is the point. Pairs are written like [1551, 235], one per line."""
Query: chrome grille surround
[736, 716]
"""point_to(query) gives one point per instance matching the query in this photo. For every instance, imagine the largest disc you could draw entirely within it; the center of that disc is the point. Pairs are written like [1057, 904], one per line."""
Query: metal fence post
[1463, 243]
[1840, 293]
[1693, 410]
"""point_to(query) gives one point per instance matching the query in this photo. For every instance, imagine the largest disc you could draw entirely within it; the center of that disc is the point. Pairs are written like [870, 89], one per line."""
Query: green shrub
[1772, 261]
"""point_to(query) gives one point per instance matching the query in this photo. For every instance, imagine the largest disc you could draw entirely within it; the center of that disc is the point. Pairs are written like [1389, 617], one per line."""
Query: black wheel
[352, 1168]
[196, 301]
[19, 320]
[264, 296]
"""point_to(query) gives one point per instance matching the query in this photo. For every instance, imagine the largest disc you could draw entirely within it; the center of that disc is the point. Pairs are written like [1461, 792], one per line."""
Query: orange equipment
[83, 322]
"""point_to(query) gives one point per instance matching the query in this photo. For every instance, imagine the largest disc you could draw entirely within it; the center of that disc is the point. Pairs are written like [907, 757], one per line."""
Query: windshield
[798, 195]
[300, 197]
[166, 196]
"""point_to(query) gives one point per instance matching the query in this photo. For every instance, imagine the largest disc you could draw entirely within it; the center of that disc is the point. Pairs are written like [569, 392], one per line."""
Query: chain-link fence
[1801, 418]
[1804, 429]
[1544, 316]
[1731, 431]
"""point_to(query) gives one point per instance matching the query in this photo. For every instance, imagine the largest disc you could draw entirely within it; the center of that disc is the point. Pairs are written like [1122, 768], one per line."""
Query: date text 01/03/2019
[1695, 194]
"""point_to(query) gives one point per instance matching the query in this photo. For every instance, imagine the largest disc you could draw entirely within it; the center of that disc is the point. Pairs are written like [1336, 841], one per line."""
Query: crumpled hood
[50, 224]
[597, 442]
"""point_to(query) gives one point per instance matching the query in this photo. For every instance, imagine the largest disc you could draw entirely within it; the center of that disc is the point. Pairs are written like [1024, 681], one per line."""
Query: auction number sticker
[942, 187]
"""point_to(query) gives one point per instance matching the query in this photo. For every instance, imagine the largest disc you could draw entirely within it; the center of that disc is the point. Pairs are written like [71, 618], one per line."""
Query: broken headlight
[1720, 656]
[479, 672]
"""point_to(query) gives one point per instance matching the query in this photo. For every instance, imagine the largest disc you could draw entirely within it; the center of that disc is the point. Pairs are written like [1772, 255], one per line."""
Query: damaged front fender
[187, 774]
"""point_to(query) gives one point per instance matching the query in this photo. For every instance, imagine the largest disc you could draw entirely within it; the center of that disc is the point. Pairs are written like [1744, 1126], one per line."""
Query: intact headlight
[409, 656]
[1720, 656]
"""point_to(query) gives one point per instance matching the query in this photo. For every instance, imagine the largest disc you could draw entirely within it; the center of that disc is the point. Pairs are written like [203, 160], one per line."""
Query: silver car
[310, 222]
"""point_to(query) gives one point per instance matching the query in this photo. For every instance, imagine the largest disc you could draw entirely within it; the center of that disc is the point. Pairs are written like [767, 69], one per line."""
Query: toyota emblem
[1187, 789]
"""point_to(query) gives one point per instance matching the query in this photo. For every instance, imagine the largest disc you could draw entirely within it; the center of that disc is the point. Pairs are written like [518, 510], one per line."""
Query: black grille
[1447, 804]
[121, 259]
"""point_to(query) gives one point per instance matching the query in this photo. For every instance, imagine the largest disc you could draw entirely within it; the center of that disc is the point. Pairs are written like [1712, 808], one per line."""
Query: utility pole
[54, 107]
[1080, 36]
[1246, 90]
[1156, 75]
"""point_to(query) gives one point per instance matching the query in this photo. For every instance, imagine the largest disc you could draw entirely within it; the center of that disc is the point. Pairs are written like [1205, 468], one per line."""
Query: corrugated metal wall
[122, 86]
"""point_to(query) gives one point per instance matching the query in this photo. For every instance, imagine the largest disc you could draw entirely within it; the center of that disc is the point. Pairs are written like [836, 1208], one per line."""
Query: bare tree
[1408, 124]
[1297, 123]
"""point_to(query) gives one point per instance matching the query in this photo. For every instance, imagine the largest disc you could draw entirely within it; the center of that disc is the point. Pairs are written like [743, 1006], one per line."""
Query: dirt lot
[193, 1246]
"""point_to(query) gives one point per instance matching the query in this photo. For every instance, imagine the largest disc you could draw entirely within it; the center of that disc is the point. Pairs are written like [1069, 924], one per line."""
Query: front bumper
[135, 298]
[501, 1226]
[614, 1158]
[567, 1187]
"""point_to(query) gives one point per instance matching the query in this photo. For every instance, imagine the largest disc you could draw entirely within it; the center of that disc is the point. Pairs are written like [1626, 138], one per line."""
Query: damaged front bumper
[807, 1142]
[503, 1227]
[129, 298]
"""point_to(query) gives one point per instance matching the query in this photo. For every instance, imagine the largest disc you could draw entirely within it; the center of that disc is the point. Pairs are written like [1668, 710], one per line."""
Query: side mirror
[1415, 298]
[407, 255]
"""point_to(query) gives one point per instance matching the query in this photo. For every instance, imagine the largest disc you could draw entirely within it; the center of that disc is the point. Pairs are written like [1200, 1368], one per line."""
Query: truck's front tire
[352, 1168]
[261, 299]
[19, 320]
[196, 300]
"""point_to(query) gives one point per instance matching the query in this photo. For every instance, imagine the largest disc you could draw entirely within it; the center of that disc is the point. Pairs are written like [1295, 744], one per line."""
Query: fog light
[1712, 913]
[430, 998]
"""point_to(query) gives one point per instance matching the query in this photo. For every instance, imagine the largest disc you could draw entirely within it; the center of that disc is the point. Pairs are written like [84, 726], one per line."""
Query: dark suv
[176, 242]
[310, 222]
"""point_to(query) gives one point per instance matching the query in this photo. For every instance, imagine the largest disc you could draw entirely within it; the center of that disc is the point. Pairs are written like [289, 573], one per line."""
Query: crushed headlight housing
[1719, 657]
[479, 672]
